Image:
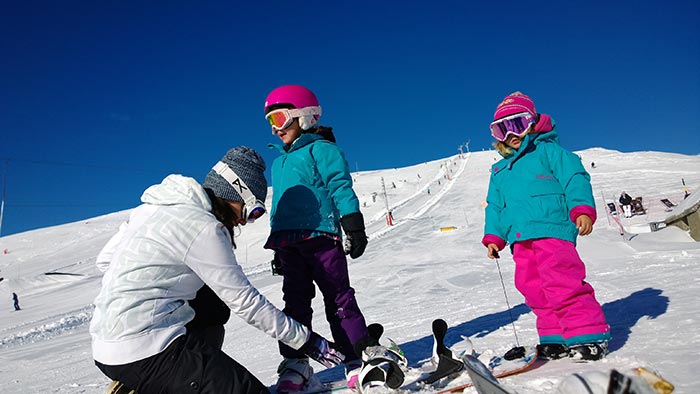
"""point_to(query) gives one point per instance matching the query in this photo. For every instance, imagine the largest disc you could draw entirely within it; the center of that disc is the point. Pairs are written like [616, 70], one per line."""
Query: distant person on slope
[312, 199]
[15, 301]
[178, 240]
[626, 202]
[539, 200]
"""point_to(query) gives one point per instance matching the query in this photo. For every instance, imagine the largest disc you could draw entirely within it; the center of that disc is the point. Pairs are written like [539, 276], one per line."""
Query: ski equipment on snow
[447, 365]
[381, 365]
[482, 379]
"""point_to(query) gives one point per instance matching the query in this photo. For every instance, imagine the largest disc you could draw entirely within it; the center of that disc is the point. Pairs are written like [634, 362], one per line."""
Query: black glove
[276, 265]
[355, 236]
[318, 348]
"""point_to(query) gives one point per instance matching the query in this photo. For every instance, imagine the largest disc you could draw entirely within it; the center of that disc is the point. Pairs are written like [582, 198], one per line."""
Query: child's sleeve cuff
[583, 210]
[493, 239]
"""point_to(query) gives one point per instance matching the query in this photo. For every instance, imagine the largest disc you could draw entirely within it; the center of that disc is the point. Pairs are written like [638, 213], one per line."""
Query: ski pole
[512, 320]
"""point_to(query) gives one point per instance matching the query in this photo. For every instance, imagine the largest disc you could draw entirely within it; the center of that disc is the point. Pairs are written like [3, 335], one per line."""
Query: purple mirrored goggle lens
[255, 213]
[515, 124]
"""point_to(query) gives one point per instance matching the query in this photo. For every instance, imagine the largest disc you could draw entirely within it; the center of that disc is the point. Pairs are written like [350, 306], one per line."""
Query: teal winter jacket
[311, 187]
[537, 192]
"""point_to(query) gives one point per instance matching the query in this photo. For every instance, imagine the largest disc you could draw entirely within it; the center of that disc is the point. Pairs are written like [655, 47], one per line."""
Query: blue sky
[99, 100]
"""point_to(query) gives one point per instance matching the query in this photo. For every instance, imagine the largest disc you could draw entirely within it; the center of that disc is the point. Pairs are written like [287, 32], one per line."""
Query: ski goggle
[253, 211]
[516, 124]
[252, 207]
[280, 119]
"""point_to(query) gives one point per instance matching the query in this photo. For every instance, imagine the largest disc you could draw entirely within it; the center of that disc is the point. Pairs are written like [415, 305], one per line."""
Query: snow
[411, 273]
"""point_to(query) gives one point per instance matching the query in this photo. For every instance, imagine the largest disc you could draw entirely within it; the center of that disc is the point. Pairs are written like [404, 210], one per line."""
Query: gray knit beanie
[249, 166]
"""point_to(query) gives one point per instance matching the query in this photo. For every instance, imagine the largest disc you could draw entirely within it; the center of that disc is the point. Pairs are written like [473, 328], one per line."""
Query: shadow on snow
[621, 315]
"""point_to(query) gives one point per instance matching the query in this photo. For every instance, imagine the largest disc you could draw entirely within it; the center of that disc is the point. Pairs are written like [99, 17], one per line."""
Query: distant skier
[313, 200]
[626, 202]
[539, 200]
[178, 240]
[15, 300]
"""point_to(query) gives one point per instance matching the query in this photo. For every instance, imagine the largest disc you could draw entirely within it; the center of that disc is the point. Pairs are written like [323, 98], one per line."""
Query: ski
[483, 380]
[502, 366]
[515, 361]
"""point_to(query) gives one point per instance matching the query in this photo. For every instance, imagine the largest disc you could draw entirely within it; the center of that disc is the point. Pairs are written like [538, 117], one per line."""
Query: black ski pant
[188, 365]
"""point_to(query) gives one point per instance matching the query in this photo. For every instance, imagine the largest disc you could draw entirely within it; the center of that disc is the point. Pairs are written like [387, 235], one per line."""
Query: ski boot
[294, 374]
[352, 373]
[589, 351]
[552, 351]
[380, 366]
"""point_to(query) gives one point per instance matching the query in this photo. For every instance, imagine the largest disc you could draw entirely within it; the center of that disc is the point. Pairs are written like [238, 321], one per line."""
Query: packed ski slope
[411, 273]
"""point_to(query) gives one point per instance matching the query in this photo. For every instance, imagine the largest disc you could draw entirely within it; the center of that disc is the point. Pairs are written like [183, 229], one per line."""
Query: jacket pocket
[548, 202]
[543, 187]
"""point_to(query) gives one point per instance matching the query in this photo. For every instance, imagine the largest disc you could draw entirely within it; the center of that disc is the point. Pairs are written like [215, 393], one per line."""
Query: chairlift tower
[4, 187]
[389, 216]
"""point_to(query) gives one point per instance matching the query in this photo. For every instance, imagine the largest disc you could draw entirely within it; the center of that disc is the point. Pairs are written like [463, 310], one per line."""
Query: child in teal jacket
[539, 200]
[312, 200]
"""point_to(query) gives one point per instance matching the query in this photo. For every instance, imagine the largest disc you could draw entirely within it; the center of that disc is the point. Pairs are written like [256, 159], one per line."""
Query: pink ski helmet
[301, 99]
[295, 95]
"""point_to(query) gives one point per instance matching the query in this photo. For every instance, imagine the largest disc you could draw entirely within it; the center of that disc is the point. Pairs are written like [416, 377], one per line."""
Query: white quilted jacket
[170, 246]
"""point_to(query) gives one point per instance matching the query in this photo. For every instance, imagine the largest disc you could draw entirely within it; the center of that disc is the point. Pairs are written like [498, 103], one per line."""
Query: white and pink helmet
[298, 97]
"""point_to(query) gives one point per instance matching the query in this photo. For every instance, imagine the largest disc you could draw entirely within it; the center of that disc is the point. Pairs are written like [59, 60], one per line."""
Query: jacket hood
[177, 190]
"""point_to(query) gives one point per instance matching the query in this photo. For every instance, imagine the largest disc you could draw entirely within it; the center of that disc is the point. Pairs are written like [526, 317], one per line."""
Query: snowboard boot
[293, 373]
[117, 387]
[352, 373]
[380, 366]
[552, 351]
[589, 351]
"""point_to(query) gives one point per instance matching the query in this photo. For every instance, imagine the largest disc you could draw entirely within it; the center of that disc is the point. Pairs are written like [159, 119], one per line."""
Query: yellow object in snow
[659, 384]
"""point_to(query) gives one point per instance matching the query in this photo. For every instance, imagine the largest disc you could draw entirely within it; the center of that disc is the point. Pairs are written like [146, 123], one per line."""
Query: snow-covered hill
[429, 264]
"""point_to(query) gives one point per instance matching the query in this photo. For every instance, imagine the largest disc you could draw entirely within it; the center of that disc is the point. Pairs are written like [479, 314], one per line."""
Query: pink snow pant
[550, 274]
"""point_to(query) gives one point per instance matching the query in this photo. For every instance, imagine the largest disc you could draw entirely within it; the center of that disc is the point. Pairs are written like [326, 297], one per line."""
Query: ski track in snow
[41, 332]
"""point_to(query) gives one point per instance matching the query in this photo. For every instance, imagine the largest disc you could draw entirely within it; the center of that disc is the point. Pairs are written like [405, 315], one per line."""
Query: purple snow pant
[323, 261]
[550, 274]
